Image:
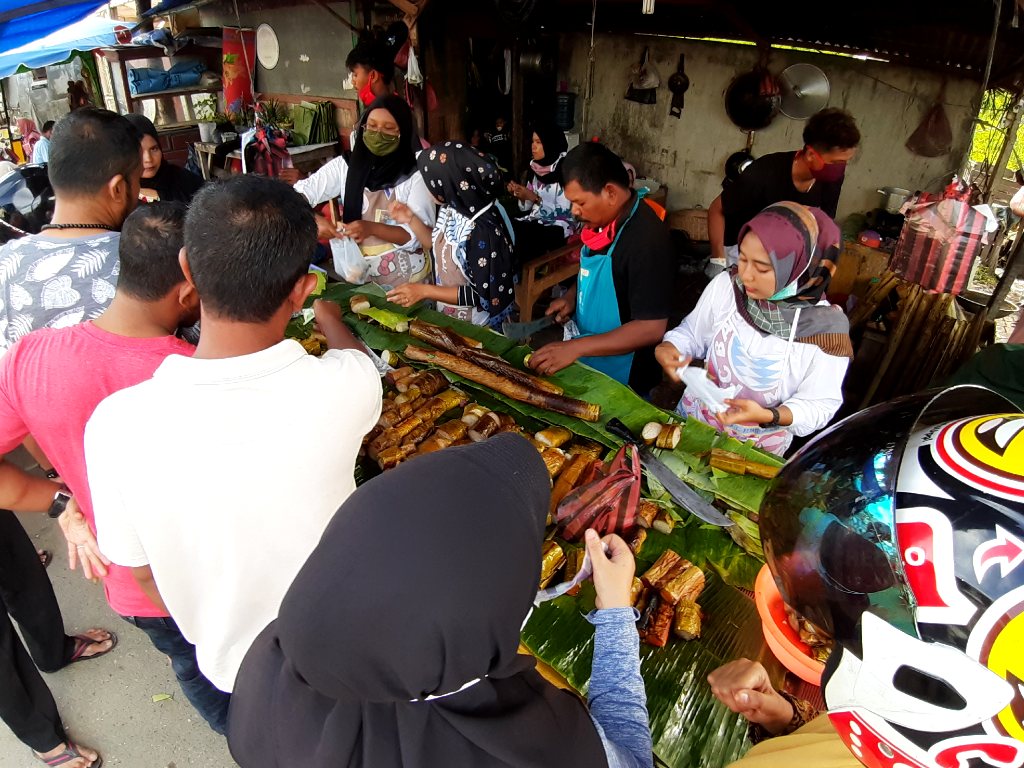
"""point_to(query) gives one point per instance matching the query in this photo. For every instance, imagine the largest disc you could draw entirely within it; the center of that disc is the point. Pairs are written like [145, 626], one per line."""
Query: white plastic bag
[413, 74]
[349, 262]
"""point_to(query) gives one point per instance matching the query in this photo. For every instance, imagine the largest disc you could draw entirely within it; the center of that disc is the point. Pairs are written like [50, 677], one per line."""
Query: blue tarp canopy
[23, 22]
[83, 35]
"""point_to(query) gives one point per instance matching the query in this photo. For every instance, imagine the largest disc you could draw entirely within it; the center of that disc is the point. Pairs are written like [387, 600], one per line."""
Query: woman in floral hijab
[472, 238]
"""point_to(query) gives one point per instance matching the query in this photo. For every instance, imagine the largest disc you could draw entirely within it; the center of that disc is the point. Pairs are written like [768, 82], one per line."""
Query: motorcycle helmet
[26, 202]
[900, 532]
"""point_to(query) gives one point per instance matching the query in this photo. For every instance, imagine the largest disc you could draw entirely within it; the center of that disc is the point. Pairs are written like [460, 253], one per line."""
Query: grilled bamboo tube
[392, 437]
[438, 406]
[686, 624]
[473, 413]
[567, 479]
[651, 431]
[358, 303]
[588, 448]
[687, 585]
[661, 568]
[429, 383]
[453, 430]
[393, 377]
[395, 455]
[451, 342]
[739, 465]
[669, 437]
[552, 558]
[392, 414]
[554, 437]
[635, 591]
[433, 443]
[546, 400]
[485, 427]
[573, 564]
[554, 460]
[646, 511]
[639, 537]
[417, 435]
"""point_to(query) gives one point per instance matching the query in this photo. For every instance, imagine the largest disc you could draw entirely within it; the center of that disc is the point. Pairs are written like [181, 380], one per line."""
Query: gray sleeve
[618, 701]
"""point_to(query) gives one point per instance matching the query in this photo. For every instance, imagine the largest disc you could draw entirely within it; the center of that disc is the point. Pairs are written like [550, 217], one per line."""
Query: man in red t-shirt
[52, 380]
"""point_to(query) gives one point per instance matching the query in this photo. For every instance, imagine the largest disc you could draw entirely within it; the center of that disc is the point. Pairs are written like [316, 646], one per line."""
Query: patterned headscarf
[803, 244]
[469, 183]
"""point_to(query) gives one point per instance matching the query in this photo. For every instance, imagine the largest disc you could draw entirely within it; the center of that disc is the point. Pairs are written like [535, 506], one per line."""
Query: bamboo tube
[546, 400]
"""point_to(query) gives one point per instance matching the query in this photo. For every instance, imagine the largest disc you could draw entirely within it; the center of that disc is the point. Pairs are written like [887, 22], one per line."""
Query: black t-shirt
[767, 180]
[643, 277]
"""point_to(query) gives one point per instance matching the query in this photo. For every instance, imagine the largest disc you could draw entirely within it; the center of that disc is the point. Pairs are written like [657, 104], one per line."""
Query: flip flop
[70, 753]
[82, 642]
[45, 557]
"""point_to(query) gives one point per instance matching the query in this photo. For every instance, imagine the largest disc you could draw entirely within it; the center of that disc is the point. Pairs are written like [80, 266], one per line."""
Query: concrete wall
[688, 154]
[313, 45]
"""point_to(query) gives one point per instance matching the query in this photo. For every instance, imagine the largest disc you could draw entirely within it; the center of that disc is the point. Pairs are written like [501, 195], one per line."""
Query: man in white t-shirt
[215, 479]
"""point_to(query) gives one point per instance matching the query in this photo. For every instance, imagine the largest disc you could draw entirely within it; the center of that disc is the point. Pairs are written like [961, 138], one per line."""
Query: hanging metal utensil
[678, 84]
[805, 91]
[752, 99]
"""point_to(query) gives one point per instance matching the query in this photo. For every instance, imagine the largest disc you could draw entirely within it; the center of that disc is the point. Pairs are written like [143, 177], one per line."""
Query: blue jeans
[209, 701]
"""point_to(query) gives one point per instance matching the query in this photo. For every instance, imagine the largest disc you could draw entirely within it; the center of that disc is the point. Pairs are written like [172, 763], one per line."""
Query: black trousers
[26, 595]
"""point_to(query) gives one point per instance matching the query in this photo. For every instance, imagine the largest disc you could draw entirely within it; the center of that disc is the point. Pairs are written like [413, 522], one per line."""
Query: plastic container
[565, 110]
[783, 640]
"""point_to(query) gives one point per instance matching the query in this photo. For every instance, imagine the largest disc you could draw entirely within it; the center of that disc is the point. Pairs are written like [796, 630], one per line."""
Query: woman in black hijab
[380, 172]
[473, 253]
[549, 221]
[396, 646]
[161, 180]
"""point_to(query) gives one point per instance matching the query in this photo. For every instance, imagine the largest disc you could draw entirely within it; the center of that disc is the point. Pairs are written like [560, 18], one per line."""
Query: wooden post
[517, 116]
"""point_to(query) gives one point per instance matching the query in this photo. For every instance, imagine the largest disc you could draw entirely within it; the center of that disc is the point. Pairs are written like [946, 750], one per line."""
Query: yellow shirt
[815, 744]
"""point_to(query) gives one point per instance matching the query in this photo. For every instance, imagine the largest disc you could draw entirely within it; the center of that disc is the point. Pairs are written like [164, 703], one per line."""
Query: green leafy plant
[206, 108]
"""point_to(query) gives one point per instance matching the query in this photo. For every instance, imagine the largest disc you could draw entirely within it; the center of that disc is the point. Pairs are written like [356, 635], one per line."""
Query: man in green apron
[619, 308]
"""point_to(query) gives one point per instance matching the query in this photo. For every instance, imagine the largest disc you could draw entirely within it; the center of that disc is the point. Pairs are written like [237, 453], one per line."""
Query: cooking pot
[752, 99]
[737, 163]
[893, 198]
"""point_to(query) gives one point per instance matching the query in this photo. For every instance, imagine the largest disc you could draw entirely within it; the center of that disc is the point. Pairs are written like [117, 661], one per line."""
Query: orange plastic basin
[780, 636]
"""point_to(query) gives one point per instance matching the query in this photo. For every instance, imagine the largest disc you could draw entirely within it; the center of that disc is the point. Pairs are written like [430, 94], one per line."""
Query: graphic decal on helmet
[997, 642]
[925, 538]
[986, 453]
[1005, 550]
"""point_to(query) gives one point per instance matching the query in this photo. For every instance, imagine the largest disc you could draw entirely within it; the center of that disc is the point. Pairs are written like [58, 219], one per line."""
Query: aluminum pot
[893, 198]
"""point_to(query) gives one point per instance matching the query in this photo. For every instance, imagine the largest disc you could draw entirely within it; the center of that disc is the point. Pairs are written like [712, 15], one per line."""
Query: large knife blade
[523, 331]
[680, 492]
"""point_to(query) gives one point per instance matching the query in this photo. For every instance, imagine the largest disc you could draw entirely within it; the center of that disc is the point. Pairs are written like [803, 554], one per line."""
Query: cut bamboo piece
[393, 377]
[395, 455]
[453, 430]
[487, 426]
[637, 541]
[554, 437]
[554, 460]
[661, 568]
[664, 522]
[567, 479]
[473, 413]
[545, 400]
[728, 461]
[438, 406]
[686, 624]
[552, 558]
[651, 431]
[668, 437]
[685, 585]
[359, 303]
[646, 512]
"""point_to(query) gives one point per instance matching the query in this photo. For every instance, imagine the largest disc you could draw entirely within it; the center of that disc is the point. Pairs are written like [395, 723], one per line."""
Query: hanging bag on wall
[644, 81]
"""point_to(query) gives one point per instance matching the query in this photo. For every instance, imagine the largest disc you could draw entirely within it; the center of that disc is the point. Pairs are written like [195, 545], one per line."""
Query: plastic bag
[349, 262]
[414, 75]
[644, 81]
[934, 136]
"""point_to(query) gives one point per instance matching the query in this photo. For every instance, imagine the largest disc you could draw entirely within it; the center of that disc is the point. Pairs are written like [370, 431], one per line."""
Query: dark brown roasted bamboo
[514, 390]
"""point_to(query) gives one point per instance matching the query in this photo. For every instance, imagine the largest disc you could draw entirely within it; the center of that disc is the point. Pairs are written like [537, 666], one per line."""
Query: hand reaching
[670, 360]
[82, 546]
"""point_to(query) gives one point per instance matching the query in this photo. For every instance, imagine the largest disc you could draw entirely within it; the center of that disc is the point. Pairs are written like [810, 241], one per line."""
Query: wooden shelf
[175, 92]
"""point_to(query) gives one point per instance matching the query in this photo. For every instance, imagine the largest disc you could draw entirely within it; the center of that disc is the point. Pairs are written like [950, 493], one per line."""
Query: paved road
[108, 703]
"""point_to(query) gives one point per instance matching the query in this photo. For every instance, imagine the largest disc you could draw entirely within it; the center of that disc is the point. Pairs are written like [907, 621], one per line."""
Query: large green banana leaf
[690, 728]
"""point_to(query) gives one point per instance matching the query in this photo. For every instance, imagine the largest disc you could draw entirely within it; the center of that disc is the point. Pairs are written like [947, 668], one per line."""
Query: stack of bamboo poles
[927, 343]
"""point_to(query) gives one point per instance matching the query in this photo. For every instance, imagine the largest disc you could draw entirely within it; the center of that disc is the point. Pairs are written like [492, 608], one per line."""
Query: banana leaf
[690, 728]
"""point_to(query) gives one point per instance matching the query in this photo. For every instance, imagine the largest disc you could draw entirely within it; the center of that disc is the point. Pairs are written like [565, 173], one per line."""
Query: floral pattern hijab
[469, 183]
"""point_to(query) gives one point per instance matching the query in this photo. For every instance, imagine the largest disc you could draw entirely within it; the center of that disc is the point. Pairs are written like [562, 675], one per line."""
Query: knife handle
[619, 429]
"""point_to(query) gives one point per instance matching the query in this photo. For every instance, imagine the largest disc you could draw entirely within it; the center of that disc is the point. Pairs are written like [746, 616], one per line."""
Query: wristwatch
[60, 501]
[775, 419]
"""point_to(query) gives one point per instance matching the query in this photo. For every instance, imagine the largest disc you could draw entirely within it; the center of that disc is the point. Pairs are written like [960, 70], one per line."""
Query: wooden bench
[560, 265]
